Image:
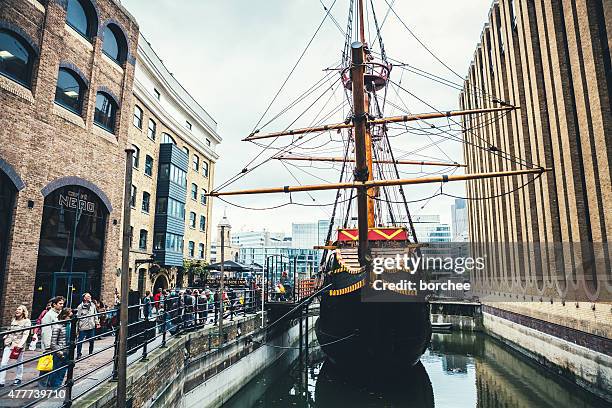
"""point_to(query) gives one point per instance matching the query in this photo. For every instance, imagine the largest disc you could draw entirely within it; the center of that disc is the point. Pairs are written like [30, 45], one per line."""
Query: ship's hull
[372, 335]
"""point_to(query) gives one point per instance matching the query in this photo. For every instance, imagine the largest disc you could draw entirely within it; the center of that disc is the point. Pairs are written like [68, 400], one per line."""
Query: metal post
[221, 281]
[125, 284]
[146, 341]
[295, 279]
[306, 337]
[263, 300]
[163, 343]
[71, 347]
[301, 336]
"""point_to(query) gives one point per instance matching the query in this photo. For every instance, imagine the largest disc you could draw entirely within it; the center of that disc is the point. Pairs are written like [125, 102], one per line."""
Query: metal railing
[150, 325]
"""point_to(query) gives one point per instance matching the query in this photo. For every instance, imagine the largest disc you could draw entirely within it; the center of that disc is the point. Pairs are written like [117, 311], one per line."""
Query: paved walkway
[88, 373]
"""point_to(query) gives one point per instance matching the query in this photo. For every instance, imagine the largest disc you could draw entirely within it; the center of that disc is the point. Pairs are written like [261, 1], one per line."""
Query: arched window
[152, 129]
[115, 44]
[69, 90]
[81, 16]
[137, 116]
[16, 57]
[106, 110]
[166, 138]
[71, 247]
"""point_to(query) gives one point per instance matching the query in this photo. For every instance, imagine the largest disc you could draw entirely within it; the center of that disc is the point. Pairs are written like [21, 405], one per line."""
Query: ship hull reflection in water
[459, 370]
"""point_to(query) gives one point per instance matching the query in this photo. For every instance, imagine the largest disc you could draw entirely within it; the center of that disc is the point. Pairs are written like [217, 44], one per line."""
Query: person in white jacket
[57, 304]
[17, 339]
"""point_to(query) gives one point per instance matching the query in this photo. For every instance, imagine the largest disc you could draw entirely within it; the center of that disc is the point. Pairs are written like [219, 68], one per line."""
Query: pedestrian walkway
[89, 372]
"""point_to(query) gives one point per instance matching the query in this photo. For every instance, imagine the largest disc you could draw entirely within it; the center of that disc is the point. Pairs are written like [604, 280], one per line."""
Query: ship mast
[363, 141]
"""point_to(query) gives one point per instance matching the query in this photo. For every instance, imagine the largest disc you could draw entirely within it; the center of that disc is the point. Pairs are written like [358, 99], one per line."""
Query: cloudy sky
[233, 56]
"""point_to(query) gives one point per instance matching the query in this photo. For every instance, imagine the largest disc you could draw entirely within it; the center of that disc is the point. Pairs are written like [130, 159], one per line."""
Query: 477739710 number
[36, 394]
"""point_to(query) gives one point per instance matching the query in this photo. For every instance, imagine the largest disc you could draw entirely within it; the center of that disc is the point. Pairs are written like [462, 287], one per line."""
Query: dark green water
[459, 370]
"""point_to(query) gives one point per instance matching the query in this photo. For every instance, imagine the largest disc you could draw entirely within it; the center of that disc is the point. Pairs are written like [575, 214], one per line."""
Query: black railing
[150, 325]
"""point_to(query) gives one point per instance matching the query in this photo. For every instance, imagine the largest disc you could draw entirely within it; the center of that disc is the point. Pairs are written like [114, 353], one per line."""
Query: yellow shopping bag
[45, 363]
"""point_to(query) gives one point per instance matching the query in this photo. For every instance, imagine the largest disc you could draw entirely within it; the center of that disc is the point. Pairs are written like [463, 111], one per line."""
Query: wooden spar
[393, 119]
[361, 23]
[361, 165]
[380, 183]
[341, 159]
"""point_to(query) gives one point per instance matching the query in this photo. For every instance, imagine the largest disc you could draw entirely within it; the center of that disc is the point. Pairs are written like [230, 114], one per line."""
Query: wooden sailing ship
[357, 327]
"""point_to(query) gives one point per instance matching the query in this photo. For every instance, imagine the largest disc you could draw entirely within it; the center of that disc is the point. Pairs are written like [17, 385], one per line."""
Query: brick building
[77, 88]
[175, 140]
[552, 59]
[66, 73]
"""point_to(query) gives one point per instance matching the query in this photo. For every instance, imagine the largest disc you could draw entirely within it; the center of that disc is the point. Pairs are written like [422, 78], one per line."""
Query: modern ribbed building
[553, 273]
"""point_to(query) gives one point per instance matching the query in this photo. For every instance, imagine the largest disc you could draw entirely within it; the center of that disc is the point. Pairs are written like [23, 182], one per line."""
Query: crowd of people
[169, 310]
[174, 310]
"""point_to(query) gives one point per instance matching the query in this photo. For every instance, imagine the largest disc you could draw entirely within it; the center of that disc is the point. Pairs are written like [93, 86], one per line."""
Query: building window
[152, 129]
[500, 36]
[168, 242]
[133, 197]
[142, 242]
[158, 241]
[194, 191]
[196, 163]
[146, 201]
[137, 116]
[16, 58]
[106, 110]
[136, 157]
[186, 150]
[69, 91]
[513, 14]
[166, 138]
[205, 168]
[188, 125]
[201, 250]
[157, 94]
[191, 249]
[148, 170]
[202, 223]
[170, 207]
[173, 173]
[115, 44]
[81, 16]
[131, 236]
[203, 197]
[192, 220]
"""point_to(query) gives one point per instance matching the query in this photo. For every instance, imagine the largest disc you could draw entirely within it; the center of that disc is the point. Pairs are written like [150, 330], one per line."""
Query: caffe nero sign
[77, 201]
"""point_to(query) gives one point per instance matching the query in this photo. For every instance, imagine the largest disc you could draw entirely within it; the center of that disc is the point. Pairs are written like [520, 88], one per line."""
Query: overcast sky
[233, 56]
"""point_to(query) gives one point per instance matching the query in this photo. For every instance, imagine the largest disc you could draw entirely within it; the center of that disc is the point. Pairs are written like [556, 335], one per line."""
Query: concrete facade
[553, 271]
[48, 146]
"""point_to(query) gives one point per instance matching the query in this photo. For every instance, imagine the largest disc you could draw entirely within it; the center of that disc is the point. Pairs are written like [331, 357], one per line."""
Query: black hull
[370, 335]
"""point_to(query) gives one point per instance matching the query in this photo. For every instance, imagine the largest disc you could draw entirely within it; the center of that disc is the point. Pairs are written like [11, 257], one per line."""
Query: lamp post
[125, 284]
[221, 284]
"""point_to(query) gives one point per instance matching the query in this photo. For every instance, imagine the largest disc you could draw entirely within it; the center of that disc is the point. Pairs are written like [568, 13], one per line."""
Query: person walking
[60, 338]
[14, 344]
[189, 303]
[88, 323]
[157, 297]
[38, 330]
[232, 303]
[57, 304]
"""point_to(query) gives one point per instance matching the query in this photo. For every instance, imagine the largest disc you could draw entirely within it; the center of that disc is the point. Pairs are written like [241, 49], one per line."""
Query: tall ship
[367, 317]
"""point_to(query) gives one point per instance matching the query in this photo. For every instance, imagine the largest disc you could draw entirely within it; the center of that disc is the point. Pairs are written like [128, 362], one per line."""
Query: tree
[195, 268]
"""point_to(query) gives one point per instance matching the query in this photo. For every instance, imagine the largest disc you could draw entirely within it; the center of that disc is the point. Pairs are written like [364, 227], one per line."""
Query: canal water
[459, 370]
